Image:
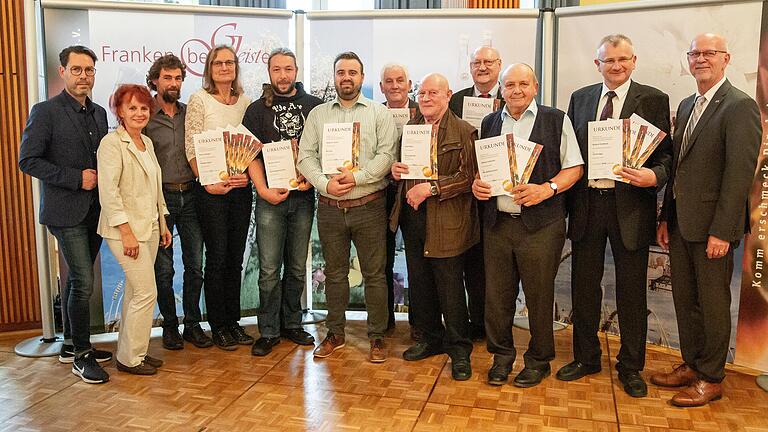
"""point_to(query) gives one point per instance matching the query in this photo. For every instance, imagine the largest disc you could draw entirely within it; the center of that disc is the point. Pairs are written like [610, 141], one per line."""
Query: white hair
[389, 66]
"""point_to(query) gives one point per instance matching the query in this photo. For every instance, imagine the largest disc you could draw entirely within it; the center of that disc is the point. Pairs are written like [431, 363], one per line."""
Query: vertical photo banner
[126, 43]
[752, 329]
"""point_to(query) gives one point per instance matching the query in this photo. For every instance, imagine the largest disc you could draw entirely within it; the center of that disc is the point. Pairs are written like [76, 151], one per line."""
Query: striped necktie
[698, 108]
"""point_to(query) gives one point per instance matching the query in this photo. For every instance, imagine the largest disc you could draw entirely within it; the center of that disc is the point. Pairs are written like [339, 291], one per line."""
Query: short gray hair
[614, 40]
[389, 66]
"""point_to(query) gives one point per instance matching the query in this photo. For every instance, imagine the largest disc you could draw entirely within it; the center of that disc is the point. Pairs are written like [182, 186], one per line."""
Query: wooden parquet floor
[211, 390]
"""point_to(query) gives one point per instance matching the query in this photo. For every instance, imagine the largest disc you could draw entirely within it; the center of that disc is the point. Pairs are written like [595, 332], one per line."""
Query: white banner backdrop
[425, 44]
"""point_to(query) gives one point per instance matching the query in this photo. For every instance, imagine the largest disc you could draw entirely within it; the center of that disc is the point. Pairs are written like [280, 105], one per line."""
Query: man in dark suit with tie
[484, 65]
[705, 215]
[623, 214]
[59, 148]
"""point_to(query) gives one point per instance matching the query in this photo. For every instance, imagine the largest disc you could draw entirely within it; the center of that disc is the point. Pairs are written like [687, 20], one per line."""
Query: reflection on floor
[213, 390]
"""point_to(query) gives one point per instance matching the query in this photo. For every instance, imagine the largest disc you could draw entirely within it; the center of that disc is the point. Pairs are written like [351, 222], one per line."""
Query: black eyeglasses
[77, 71]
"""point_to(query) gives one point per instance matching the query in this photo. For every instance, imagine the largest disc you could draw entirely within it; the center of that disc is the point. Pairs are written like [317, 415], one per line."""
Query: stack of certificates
[618, 143]
[506, 161]
[224, 152]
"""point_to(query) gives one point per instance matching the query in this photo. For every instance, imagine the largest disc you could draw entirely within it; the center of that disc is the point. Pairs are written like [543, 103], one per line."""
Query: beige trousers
[139, 294]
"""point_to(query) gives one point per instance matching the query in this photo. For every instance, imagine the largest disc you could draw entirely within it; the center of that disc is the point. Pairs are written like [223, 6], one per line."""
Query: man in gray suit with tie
[705, 215]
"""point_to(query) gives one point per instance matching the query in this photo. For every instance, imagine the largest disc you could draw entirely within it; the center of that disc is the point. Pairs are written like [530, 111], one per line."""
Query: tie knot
[700, 100]
[611, 94]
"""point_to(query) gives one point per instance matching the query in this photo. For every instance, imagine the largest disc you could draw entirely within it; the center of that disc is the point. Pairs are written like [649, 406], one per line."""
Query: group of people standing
[467, 252]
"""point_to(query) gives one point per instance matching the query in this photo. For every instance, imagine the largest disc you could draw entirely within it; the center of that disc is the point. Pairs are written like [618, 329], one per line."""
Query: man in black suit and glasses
[623, 214]
[705, 215]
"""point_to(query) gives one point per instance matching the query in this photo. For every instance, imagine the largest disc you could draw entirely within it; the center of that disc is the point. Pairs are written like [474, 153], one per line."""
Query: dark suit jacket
[635, 206]
[55, 148]
[457, 100]
[716, 172]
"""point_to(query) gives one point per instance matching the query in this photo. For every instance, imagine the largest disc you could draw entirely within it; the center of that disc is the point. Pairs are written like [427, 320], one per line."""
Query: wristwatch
[553, 185]
[433, 188]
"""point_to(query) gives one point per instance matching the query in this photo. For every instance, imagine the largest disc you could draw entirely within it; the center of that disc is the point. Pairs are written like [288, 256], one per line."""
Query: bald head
[707, 60]
[518, 88]
[485, 66]
[434, 95]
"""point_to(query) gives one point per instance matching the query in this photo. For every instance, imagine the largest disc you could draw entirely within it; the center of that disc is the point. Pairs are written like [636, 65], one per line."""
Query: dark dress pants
[516, 255]
[587, 295]
[437, 289]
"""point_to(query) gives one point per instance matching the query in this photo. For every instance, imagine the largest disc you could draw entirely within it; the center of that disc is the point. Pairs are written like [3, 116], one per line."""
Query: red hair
[126, 92]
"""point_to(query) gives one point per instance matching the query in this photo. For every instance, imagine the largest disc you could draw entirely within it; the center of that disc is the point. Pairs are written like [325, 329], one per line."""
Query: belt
[178, 187]
[603, 191]
[349, 203]
[512, 215]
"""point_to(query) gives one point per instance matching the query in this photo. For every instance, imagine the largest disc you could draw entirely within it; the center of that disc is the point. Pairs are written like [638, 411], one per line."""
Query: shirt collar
[711, 92]
[621, 91]
[75, 105]
[533, 108]
[361, 100]
[494, 91]
[180, 109]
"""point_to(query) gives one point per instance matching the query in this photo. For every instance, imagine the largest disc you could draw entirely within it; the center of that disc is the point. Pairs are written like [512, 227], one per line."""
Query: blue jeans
[79, 245]
[183, 215]
[282, 235]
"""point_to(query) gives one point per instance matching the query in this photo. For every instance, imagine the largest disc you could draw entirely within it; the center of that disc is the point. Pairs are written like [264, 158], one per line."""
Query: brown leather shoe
[682, 375]
[330, 344]
[378, 352]
[698, 394]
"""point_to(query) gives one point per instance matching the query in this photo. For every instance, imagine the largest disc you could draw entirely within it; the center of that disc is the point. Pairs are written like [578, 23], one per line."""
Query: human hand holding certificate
[419, 151]
[474, 109]
[341, 147]
[605, 148]
[280, 165]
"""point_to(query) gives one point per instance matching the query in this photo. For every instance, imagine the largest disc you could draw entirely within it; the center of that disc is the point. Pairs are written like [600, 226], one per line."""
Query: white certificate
[210, 157]
[419, 151]
[280, 166]
[401, 117]
[493, 163]
[475, 109]
[337, 147]
[604, 148]
[526, 155]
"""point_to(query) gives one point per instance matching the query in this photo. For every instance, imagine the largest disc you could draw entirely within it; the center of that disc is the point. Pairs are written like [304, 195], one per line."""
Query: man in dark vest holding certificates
[524, 235]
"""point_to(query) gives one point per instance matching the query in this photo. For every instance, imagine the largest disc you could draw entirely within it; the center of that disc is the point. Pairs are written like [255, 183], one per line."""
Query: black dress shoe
[461, 370]
[634, 384]
[498, 374]
[154, 362]
[529, 377]
[197, 337]
[263, 345]
[575, 370]
[421, 351]
[298, 336]
[172, 339]
[240, 336]
[223, 339]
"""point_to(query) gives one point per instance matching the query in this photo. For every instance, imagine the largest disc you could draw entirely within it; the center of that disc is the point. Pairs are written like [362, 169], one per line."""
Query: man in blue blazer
[59, 148]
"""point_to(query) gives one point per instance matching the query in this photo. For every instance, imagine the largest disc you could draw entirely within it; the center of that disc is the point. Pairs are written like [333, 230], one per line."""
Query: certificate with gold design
[339, 147]
[419, 151]
[280, 165]
[401, 117]
[647, 144]
[606, 148]
[495, 159]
